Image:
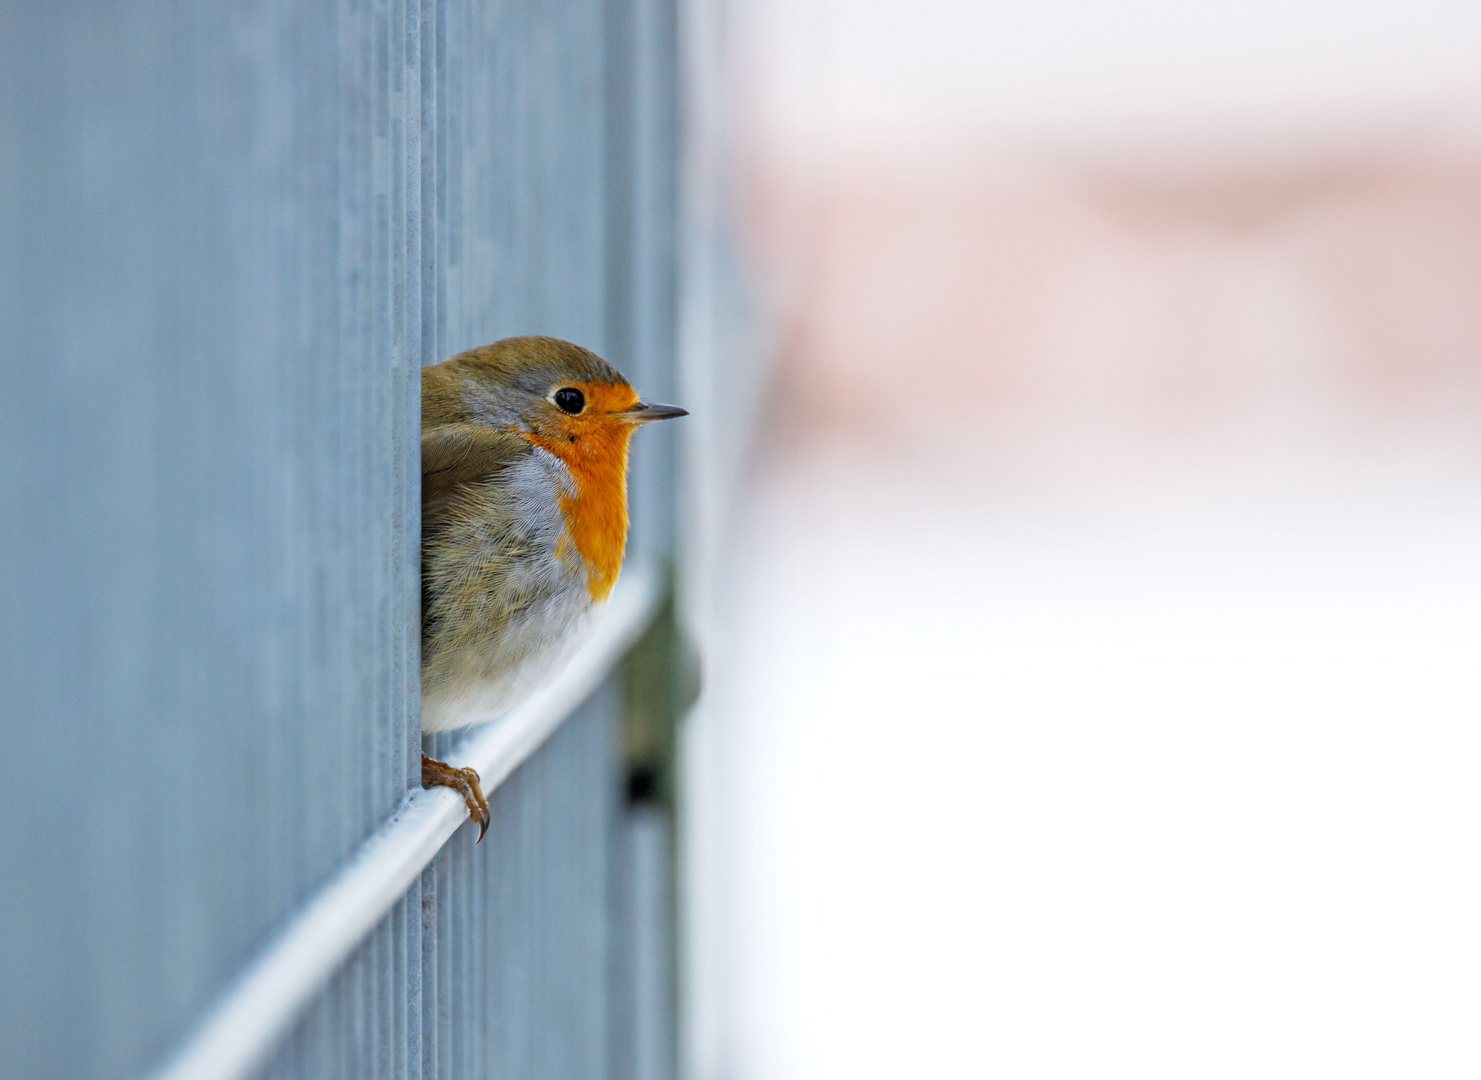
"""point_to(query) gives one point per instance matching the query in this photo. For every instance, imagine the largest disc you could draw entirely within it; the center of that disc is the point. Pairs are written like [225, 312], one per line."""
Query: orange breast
[597, 458]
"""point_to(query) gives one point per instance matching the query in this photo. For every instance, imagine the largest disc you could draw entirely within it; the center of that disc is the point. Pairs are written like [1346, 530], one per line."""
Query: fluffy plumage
[524, 518]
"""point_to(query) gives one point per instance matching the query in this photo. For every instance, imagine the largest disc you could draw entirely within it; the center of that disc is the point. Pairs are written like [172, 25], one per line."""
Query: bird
[524, 525]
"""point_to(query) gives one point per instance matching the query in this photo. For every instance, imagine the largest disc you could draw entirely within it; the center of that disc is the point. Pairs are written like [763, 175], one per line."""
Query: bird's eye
[569, 399]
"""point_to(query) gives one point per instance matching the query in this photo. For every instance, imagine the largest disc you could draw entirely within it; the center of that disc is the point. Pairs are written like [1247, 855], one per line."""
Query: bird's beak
[643, 413]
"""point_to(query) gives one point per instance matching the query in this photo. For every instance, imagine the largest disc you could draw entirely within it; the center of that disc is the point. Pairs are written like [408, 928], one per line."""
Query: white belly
[533, 651]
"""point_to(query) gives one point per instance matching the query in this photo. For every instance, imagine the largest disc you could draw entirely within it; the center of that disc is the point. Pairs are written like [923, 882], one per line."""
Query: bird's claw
[465, 782]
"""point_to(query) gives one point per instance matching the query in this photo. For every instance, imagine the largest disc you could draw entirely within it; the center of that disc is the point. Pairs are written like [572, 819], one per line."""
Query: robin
[524, 522]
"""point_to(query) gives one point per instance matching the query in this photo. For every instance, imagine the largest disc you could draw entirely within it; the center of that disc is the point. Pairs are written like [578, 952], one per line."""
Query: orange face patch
[593, 445]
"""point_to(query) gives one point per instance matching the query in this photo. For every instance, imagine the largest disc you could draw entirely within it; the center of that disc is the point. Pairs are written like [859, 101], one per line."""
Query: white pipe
[259, 1009]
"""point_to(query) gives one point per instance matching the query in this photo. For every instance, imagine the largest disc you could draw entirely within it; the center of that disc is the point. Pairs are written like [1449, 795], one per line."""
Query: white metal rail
[260, 1007]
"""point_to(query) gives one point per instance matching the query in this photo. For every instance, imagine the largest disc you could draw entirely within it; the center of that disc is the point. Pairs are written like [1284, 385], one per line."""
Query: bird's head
[561, 397]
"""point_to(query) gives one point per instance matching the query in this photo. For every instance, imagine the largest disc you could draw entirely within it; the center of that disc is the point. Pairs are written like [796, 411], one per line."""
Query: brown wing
[455, 456]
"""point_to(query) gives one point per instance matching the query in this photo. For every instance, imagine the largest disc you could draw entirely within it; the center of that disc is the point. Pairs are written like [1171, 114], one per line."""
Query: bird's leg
[465, 782]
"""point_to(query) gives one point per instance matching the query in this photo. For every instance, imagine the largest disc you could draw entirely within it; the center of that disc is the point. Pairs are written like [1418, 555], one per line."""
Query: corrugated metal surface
[504, 960]
[229, 234]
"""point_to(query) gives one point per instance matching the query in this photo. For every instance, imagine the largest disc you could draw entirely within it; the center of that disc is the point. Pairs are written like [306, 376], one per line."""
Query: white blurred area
[1095, 678]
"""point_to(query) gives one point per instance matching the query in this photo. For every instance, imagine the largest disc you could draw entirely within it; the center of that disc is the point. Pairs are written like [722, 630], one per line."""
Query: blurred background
[1093, 687]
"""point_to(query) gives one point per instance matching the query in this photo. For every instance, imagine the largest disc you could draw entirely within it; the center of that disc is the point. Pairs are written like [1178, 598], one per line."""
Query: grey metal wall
[229, 235]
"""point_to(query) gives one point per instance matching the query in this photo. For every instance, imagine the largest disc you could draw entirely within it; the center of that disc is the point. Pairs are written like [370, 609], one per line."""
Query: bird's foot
[465, 782]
